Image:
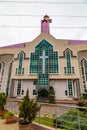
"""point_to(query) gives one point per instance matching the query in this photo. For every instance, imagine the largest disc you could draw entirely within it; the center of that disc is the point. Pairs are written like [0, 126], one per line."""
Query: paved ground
[3, 126]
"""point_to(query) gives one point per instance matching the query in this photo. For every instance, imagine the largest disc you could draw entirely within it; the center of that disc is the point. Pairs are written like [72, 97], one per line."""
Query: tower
[45, 24]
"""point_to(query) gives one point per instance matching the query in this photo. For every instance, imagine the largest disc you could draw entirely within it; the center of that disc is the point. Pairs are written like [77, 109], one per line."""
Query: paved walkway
[3, 126]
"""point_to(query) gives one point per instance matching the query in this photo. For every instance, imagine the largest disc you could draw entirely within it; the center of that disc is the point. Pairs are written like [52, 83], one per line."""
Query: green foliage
[46, 115]
[45, 121]
[3, 98]
[84, 96]
[80, 104]
[70, 121]
[28, 110]
[51, 95]
[83, 102]
[8, 114]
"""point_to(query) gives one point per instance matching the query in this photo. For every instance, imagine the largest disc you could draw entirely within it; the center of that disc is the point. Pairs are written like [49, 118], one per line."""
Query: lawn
[45, 121]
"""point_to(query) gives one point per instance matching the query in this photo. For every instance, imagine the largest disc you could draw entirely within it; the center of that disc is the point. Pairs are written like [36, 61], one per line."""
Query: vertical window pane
[19, 87]
[70, 92]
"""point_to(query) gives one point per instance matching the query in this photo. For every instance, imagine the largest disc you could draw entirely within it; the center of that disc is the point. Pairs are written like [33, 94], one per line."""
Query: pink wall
[45, 26]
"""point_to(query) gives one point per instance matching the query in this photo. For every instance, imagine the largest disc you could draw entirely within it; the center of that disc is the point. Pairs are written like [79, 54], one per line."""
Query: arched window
[44, 61]
[84, 72]
[68, 69]
[20, 70]
[2, 66]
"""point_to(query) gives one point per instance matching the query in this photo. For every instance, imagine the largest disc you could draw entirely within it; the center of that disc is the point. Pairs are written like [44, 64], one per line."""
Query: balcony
[69, 70]
[19, 72]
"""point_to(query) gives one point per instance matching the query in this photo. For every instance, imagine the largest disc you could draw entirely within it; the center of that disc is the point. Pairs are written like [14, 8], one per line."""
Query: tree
[83, 102]
[51, 95]
[3, 98]
[27, 110]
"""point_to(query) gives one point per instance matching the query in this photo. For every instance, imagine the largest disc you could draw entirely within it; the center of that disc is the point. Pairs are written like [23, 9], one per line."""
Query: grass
[45, 121]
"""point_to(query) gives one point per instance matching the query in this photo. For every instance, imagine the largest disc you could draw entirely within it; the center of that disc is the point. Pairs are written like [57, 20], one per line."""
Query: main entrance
[42, 95]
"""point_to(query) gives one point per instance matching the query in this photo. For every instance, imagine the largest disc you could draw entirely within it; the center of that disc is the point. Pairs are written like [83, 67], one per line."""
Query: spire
[45, 24]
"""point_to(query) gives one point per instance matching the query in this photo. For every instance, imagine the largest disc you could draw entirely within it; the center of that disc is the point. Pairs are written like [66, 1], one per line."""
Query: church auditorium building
[44, 62]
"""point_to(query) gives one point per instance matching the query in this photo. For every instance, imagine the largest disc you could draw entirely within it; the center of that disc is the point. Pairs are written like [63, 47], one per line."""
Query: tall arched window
[84, 72]
[68, 69]
[44, 61]
[20, 70]
[2, 66]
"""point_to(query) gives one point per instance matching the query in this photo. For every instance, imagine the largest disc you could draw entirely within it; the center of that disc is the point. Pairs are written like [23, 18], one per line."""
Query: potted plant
[10, 117]
[27, 112]
[3, 99]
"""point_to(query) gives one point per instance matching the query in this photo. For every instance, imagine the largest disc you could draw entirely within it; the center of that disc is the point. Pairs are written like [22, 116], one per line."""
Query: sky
[20, 20]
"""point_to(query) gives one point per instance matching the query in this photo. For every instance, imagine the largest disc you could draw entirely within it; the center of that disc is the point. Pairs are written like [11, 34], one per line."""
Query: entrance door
[42, 95]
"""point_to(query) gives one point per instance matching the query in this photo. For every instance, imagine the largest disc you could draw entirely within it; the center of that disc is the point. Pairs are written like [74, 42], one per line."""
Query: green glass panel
[20, 70]
[43, 79]
[43, 62]
[53, 62]
[73, 71]
[34, 63]
[68, 58]
[85, 67]
[70, 92]
[68, 69]
[19, 87]
[21, 57]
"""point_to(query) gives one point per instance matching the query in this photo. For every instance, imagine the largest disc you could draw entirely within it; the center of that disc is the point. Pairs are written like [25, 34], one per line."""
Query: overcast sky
[20, 20]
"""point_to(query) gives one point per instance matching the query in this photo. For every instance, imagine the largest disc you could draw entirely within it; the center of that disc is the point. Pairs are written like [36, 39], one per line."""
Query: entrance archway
[42, 95]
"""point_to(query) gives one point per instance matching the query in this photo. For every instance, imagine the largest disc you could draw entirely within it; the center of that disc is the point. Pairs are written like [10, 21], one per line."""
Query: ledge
[37, 126]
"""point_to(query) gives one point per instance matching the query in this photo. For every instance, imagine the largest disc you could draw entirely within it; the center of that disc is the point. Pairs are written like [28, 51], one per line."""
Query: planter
[11, 119]
[2, 113]
[24, 127]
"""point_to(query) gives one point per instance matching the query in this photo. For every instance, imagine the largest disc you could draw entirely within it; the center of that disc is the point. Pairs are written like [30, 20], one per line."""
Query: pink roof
[78, 41]
[21, 45]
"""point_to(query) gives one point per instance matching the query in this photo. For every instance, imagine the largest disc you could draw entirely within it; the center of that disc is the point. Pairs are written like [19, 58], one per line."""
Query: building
[44, 62]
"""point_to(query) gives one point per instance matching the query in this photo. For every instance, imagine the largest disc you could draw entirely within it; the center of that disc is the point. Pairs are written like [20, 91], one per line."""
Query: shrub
[3, 98]
[51, 95]
[27, 110]
[8, 114]
[69, 120]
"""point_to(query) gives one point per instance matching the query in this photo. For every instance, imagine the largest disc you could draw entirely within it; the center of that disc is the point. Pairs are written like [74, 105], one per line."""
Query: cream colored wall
[62, 64]
[15, 88]
[7, 59]
[60, 86]
[26, 84]
[81, 55]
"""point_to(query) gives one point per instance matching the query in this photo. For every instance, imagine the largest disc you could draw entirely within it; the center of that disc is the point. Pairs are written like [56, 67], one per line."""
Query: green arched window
[20, 70]
[43, 62]
[68, 69]
[84, 72]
